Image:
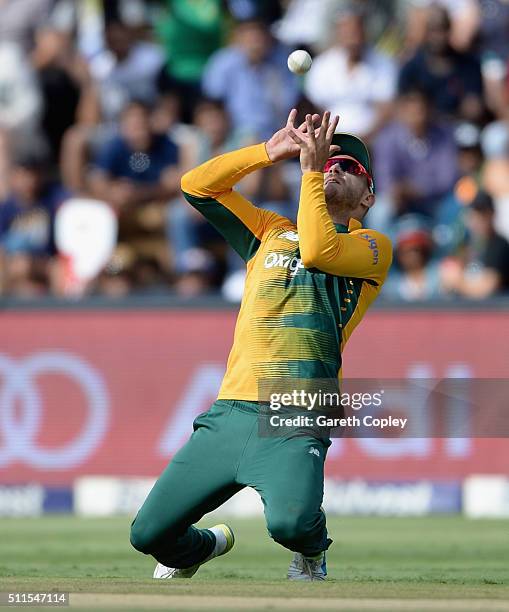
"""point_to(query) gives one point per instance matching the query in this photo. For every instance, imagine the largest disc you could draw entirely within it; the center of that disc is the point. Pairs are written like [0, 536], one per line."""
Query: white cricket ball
[299, 61]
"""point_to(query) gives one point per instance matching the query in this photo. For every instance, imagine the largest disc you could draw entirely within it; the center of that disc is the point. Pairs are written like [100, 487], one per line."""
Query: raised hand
[315, 144]
[281, 145]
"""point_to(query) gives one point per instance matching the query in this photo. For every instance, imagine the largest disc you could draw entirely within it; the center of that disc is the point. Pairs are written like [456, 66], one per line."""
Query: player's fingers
[325, 125]
[294, 135]
[291, 118]
[333, 149]
[310, 127]
[332, 128]
[316, 121]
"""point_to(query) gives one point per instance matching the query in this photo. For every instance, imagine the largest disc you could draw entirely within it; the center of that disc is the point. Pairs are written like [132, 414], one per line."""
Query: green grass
[420, 558]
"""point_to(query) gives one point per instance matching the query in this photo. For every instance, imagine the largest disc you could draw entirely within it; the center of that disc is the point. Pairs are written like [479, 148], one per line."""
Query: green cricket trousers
[224, 454]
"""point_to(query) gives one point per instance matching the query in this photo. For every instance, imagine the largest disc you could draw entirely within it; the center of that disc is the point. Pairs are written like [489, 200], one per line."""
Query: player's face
[343, 188]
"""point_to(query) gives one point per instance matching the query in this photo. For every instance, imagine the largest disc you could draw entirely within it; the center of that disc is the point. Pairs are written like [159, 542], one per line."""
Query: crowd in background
[112, 101]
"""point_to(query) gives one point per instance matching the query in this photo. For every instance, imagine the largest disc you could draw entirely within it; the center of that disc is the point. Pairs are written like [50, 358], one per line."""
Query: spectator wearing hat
[415, 276]
[483, 268]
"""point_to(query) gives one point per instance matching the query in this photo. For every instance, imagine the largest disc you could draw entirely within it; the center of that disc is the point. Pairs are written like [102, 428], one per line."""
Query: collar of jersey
[352, 225]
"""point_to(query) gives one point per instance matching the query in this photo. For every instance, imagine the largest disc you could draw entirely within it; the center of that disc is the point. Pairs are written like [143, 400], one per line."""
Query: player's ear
[368, 199]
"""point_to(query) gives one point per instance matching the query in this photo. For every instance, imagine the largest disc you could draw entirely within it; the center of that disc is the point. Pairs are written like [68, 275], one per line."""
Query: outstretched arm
[362, 253]
[359, 254]
[209, 188]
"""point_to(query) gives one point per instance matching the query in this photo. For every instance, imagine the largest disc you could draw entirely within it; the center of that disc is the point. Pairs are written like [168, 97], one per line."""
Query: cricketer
[308, 285]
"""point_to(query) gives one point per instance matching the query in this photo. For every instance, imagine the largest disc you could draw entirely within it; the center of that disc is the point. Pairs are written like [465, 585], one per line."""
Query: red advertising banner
[115, 392]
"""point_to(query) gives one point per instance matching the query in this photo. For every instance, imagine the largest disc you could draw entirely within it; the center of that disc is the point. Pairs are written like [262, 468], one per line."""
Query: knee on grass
[145, 539]
[290, 529]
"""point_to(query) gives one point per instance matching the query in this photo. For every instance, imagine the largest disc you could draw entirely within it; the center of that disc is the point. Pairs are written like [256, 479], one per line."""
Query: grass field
[374, 564]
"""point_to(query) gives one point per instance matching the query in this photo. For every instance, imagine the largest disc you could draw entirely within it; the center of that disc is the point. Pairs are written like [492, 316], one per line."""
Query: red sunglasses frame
[362, 170]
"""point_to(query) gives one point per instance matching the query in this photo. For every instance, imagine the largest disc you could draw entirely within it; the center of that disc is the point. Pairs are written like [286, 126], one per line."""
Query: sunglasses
[350, 166]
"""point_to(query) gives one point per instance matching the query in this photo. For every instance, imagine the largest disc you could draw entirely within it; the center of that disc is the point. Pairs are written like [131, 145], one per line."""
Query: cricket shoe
[224, 543]
[307, 568]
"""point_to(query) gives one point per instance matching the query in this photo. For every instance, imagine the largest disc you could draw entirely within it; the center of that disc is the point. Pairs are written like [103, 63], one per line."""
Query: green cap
[354, 147]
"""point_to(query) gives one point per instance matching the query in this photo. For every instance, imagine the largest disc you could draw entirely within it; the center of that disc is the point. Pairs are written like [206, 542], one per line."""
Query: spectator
[414, 277]
[65, 84]
[351, 79]
[268, 10]
[124, 70]
[190, 32]
[84, 21]
[307, 23]
[26, 227]
[464, 21]
[20, 107]
[490, 28]
[415, 160]
[451, 78]
[483, 269]
[138, 166]
[449, 233]
[252, 79]
[495, 180]
[20, 19]
[137, 173]
[194, 241]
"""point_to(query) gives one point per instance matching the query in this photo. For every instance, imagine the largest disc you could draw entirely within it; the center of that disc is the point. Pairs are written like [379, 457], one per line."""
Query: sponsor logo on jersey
[290, 235]
[373, 245]
[278, 260]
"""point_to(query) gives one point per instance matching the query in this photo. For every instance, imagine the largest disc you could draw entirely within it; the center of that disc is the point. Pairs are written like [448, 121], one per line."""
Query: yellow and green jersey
[307, 285]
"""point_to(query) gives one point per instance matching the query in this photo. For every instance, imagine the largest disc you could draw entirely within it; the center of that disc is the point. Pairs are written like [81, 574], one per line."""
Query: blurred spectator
[464, 21]
[415, 160]
[491, 27]
[190, 32]
[495, 140]
[126, 69]
[252, 79]
[137, 173]
[26, 227]
[414, 276]
[495, 180]
[19, 20]
[451, 78]
[243, 10]
[138, 166]
[449, 232]
[351, 79]
[307, 23]
[484, 268]
[20, 107]
[65, 84]
[195, 243]
[84, 21]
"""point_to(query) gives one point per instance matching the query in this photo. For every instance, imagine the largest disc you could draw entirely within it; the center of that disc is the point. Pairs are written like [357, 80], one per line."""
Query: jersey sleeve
[209, 188]
[362, 253]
